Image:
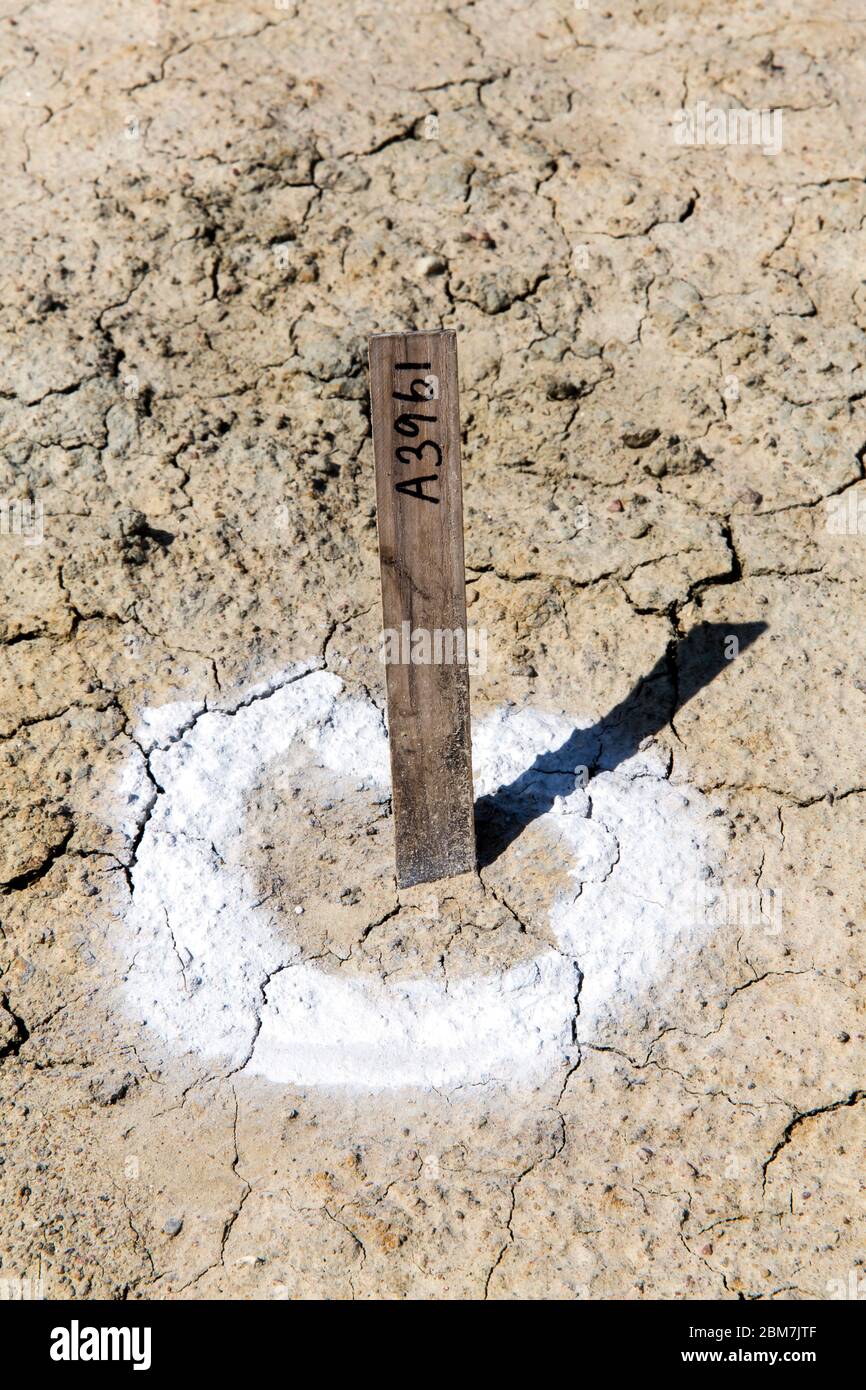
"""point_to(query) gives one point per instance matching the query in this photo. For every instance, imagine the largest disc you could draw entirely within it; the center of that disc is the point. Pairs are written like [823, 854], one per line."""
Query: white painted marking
[203, 946]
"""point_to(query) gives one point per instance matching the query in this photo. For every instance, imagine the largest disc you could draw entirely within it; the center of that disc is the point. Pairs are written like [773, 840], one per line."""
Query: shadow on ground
[687, 667]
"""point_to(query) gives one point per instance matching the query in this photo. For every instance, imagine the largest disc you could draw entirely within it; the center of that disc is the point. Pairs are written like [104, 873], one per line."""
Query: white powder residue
[212, 973]
[636, 914]
[159, 724]
[321, 1030]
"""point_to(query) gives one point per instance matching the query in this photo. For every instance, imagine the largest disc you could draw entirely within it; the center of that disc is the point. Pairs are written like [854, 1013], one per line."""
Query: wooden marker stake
[416, 442]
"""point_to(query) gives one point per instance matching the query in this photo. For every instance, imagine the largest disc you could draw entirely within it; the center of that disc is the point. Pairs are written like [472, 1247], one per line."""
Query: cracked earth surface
[208, 209]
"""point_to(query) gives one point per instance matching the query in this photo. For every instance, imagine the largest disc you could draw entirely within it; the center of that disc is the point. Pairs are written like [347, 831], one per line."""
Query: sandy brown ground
[206, 210]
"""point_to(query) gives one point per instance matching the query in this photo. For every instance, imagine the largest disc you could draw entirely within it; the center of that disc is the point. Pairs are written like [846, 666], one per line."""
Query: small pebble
[430, 265]
[639, 438]
[173, 1225]
[298, 910]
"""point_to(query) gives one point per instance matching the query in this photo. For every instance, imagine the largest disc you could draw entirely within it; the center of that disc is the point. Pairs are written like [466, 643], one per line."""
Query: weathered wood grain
[416, 441]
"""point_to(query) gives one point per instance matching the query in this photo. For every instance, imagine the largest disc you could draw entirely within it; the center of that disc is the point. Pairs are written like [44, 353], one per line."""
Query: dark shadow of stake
[685, 669]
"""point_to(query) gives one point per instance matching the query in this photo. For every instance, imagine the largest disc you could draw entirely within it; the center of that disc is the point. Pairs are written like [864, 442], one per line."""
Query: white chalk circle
[215, 974]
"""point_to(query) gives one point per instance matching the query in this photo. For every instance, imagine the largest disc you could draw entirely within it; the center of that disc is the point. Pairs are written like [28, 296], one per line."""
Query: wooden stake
[416, 442]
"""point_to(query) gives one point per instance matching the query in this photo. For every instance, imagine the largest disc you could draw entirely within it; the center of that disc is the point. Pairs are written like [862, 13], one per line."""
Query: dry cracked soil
[208, 208]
